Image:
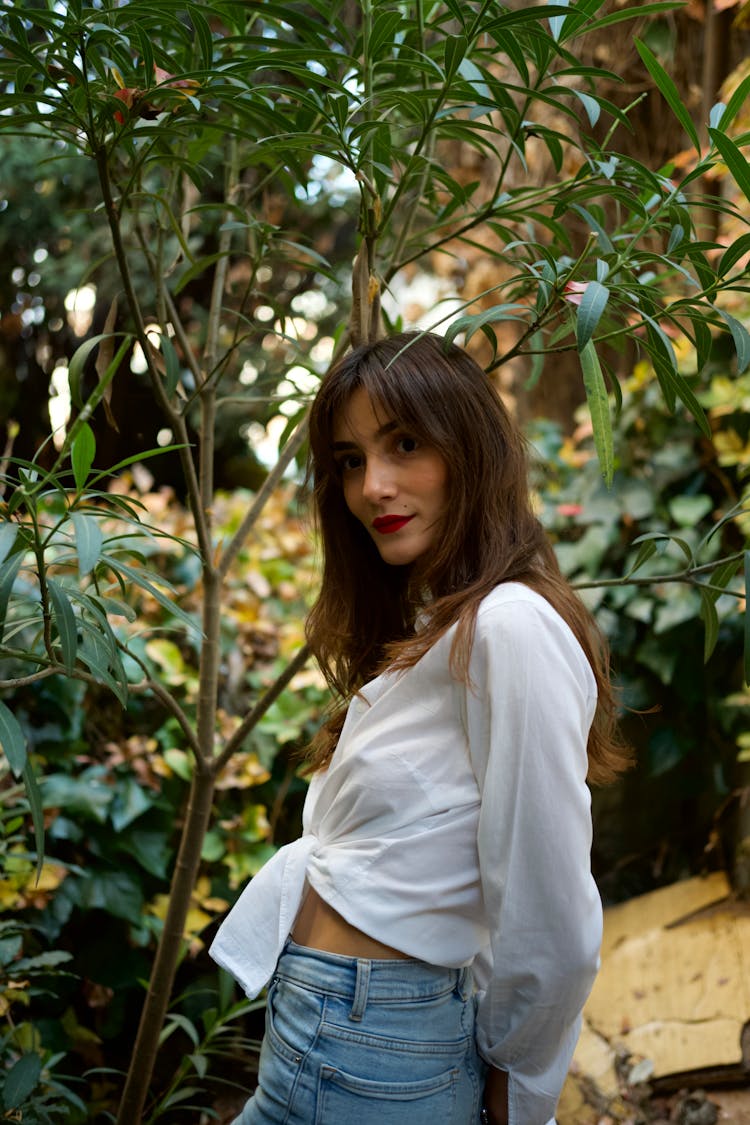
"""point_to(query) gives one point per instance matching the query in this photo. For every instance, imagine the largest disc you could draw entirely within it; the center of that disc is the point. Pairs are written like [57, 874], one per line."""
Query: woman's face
[393, 483]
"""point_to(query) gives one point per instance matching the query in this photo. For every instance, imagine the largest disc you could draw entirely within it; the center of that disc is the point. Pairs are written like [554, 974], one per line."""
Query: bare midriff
[319, 926]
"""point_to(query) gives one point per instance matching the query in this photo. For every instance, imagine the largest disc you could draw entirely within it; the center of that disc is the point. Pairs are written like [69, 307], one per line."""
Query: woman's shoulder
[517, 619]
[515, 599]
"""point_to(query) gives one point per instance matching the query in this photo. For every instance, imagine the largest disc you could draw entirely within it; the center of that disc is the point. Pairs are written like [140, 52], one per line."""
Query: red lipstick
[386, 525]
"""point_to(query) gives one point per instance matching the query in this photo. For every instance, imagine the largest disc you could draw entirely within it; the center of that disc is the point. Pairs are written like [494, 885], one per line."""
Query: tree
[213, 129]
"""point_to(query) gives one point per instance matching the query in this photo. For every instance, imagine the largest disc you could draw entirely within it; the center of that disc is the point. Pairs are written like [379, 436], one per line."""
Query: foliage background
[232, 161]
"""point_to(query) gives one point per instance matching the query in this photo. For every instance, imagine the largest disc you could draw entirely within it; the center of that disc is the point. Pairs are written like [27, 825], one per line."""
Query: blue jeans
[351, 1041]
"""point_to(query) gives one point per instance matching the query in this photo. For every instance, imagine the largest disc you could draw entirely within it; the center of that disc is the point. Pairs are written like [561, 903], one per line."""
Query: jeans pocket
[293, 1016]
[345, 1099]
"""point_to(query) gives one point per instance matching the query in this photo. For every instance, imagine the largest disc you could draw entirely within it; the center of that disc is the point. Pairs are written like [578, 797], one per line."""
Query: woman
[434, 933]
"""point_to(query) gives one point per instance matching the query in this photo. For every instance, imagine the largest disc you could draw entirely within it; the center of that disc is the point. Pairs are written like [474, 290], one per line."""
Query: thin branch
[176, 420]
[167, 700]
[23, 681]
[687, 575]
[290, 451]
[253, 717]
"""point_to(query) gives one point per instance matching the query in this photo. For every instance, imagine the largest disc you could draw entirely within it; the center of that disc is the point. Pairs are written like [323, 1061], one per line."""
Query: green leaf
[8, 533]
[736, 250]
[85, 797]
[8, 574]
[77, 364]
[671, 94]
[65, 620]
[175, 1020]
[473, 322]
[747, 618]
[455, 50]
[605, 243]
[741, 339]
[710, 619]
[12, 740]
[172, 364]
[556, 22]
[645, 551]
[598, 403]
[130, 802]
[735, 104]
[203, 32]
[703, 341]
[88, 541]
[688, 511]
[139, 578]
[734, 159]
[593, 304]
[34, 797]
[82, 455]
[21, 1079]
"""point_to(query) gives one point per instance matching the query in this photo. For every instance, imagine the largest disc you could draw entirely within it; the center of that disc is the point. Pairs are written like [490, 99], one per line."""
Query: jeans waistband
[367, 980]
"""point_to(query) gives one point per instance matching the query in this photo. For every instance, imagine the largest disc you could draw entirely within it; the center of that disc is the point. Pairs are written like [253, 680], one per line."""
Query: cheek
[350, 493]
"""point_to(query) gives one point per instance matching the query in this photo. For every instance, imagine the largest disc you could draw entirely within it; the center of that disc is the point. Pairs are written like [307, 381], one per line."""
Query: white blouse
[453, 823]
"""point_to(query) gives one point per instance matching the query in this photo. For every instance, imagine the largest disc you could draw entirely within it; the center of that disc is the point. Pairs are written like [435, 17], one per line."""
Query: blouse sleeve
[529, 705]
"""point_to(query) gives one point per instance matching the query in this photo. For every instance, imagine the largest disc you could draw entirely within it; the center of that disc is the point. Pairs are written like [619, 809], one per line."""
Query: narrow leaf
[203, 32]
[34, 797]
[591, 105]
[65, 620]
[172, 364]
[593, 304]
[77, 364]
[140, 579]
[82, 455]
[710, 620]
[645, 551]
[747, 618]
[556, 22]
[735, 103]
[8, 533]
[736, 250]
[703, 340]
[88, 541]
[8, 574]
[669, 90]
[598, 403]
[741, 339]
[734, 160]
[12, 740]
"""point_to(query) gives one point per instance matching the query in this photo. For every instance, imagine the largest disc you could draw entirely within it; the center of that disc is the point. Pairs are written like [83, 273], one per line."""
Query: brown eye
[407, 444]
[349, 463]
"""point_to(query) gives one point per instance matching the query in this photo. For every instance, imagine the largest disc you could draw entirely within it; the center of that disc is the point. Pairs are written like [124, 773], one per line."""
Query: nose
[379, 481]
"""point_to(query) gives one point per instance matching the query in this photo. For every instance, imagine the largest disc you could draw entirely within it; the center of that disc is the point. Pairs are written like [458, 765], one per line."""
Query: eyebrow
[386, 428]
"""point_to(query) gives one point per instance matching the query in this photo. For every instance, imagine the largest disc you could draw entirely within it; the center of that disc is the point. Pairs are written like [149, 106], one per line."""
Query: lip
[386, 525]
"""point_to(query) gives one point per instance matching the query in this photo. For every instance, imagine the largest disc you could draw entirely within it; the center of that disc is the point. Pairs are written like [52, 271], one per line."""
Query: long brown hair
[363, 619]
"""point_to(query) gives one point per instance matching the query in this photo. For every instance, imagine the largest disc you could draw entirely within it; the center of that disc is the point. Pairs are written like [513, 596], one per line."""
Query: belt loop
[465, 982]
[361, 988]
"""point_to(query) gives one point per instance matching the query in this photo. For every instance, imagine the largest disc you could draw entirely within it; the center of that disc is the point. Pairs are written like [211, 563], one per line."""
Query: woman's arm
[529, 707]
[496, 1097]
